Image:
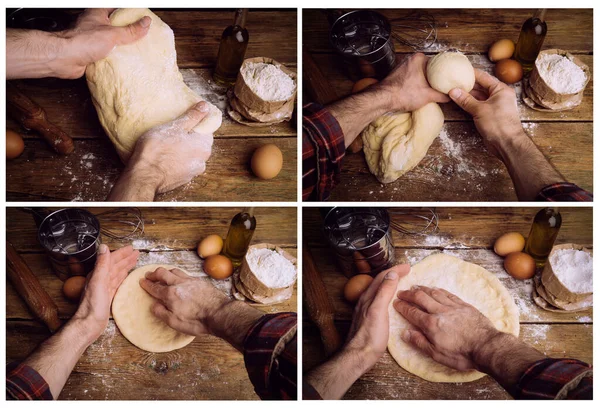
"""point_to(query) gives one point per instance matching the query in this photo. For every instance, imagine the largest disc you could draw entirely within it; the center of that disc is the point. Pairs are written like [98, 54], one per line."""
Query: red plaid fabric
[564, 192]
[323, 149]
[270, 354]
[24, 383]
[553, 378]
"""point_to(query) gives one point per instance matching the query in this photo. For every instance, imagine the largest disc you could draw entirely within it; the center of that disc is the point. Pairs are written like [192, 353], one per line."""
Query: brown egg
[218, 267]
[509, 242]
[362, 265]
[363, 84]
[76, 267]
[508, 71]
[267, 161]
[520, 265]
[210, 245]
[355, 287]
[501, 49]
[73, 288]
[14, 144]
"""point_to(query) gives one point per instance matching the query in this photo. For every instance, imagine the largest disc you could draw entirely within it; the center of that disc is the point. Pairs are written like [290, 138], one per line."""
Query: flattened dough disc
[139, 86]
[473, 284]
[131, 311]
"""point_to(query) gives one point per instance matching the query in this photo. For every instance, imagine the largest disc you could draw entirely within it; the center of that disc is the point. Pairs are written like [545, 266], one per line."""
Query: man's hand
[66, 54]
[448, 330]
[194, 306]
[101, 286]
[407, 87]
[370, 327]
[165, 157]
[493, 105]
[367, 339]
[455, 334]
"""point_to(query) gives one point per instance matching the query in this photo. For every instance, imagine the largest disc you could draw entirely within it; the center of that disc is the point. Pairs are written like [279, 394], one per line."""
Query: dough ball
[508, 243]
[356, 286]
[520, 265]
[211, 245]
[14, 144]
[73, 288]
[267, 161]
[449, 70]
[218, 267]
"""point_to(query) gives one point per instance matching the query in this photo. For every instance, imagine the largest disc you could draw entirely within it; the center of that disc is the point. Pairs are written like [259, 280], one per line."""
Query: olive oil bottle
[531, 39]
[544, 230]
[232, 50]
[239, 236]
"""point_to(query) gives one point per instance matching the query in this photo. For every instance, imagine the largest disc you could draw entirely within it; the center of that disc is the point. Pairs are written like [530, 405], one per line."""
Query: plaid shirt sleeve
[323, 148]
[564, 192]
[553, 378]
[24, 383]
[271, 357]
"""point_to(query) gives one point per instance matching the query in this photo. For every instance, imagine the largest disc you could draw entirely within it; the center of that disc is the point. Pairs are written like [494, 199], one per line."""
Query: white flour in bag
[560, 73]
[268, 82]
[271, 268]
[573, 268]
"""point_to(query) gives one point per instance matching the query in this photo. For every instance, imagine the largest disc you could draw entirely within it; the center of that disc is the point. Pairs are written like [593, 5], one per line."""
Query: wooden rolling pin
[32, 116]
[30, 289]
[318, 304]
[320, 91]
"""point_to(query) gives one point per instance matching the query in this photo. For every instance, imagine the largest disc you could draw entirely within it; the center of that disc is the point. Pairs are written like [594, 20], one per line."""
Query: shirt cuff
[270, 356]
[564, 192]
[552, 378]
[25, 383]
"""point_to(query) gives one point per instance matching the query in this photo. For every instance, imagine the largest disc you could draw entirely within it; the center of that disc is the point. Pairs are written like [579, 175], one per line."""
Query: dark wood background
[112, 368]
[471, 174]
[467, 233]
[89, 173]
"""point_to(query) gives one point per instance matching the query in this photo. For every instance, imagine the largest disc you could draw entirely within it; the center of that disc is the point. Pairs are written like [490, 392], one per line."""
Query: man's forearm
[334, 378]
[56, 357]
[233, 321]
[133, 185]
[528, 168]
[355, 112]
[31, 53]
[506, 358]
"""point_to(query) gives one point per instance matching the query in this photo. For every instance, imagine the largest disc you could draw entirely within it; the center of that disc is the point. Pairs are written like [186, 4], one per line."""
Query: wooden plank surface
[457, 167]
[473, 30]
[467, 233]
[112, 368]
[197, 34]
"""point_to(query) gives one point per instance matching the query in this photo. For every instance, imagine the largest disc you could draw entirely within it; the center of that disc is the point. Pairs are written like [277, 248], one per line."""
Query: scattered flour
[269, 82]
[560, 73]
[573, 268]
[271, 268]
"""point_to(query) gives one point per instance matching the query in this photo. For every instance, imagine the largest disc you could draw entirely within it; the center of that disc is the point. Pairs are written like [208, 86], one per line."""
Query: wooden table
[457, 166]
[89, 173]
[468, 233]
[112, 368]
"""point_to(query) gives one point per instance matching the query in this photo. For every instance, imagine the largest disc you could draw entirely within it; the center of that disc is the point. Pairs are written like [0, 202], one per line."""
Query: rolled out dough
[474, 285]
[395, 143]
[139, 86]
[132, 314]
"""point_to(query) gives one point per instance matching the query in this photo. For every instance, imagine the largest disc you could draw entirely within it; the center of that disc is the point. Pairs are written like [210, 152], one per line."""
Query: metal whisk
[121, 223]
[414, 221]
[417, 30]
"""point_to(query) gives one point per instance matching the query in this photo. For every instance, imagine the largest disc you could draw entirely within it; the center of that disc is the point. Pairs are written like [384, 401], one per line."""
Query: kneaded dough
[395, 143]
[132, 314]
[139, 86]
[449, 70]
[474, 285]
